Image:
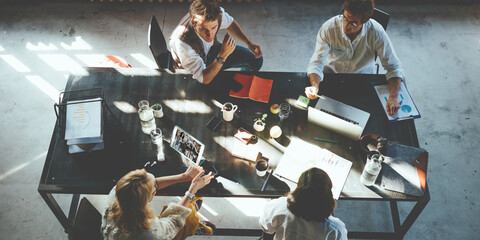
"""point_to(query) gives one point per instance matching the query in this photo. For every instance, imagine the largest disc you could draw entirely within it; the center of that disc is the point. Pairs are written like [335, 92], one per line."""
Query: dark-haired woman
[306, 213]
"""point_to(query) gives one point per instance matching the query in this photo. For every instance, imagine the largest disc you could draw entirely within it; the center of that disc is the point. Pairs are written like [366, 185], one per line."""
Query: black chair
[382, 18]
[87, 222]
[158, 46]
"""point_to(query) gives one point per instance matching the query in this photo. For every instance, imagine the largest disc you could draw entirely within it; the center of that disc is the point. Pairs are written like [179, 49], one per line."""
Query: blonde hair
[130, 210]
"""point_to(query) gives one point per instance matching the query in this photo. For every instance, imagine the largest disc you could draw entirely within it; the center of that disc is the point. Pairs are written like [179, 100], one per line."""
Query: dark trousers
[240, 58]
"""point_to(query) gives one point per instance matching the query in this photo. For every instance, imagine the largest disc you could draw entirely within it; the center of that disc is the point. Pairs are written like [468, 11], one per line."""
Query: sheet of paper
[83, 119]
[407, 107]
[301, 156]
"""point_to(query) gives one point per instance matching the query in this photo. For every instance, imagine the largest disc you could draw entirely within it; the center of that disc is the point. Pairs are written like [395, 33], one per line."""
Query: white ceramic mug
[228, 110]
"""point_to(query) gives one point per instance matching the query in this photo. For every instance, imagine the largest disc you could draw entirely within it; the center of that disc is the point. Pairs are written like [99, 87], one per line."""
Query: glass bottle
[372, 169]
[146, 117]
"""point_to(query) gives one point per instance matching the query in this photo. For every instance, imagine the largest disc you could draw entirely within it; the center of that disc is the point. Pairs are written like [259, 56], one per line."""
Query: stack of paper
[84, 125]
[301, 156]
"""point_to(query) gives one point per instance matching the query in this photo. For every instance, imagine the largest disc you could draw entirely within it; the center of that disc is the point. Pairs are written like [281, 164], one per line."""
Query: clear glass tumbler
[156, 135]
[284, 111]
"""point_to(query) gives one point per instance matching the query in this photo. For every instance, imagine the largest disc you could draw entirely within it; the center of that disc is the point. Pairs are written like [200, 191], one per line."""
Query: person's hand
[311, 92]
[392, 105]
[255, 49]
[200, 181]
[228, 46]
[192, 172]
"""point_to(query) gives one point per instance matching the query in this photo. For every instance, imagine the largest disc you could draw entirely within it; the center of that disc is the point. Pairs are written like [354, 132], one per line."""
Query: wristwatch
[189, 195]
[220, 60]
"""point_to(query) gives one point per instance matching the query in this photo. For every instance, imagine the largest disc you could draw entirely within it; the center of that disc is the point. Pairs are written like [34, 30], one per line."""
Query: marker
[326, 140]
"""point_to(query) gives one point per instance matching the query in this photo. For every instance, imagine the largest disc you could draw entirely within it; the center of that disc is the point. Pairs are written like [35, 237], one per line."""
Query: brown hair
[363, 8]
[312, 199]
[209, 9]
[130, 210]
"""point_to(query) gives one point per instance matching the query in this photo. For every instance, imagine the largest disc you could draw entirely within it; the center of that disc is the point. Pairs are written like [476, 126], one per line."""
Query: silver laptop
[338, 117]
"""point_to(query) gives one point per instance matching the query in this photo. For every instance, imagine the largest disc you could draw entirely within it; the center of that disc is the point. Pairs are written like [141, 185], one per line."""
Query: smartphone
[214, 123]
[209, 167]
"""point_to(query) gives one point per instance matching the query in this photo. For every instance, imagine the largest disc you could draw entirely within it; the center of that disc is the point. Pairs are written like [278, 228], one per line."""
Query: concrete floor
[439, 46]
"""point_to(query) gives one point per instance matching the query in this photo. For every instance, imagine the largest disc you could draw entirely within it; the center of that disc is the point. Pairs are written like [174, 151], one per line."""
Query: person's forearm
[166, 181]
[238, 33]
[186, 200]
[394, 86]
[212, 70]
[314, 79]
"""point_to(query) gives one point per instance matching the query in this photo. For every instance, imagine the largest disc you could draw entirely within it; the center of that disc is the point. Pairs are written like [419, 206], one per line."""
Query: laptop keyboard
[338, 116]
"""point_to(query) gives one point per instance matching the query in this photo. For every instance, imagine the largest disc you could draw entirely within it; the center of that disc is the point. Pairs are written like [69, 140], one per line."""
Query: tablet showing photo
[187, 145]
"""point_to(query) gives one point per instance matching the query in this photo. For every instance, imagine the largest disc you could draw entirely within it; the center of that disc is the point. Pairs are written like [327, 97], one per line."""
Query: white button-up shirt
[278, 219]
[189, 59]
[334, 50]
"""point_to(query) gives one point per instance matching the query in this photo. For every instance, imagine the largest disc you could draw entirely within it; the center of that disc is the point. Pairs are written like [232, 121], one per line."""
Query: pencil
[266, 181]
[326, 140]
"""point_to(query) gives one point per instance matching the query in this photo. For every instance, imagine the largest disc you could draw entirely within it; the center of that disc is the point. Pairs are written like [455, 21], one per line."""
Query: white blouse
[278, 219]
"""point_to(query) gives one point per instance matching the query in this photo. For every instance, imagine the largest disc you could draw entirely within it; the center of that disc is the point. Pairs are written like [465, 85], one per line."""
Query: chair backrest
[158, 46]
[381, 17]
[87, 222]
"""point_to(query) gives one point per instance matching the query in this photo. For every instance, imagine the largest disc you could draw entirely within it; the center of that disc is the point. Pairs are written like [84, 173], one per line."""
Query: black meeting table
[191, 105]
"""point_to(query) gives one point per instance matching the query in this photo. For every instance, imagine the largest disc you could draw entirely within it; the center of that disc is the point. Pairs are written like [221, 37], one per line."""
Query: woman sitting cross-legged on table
[129, 216]
[306, 213]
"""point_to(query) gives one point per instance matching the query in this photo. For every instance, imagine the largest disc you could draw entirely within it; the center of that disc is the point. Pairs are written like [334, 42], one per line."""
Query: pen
[266, 181]
[326, 140]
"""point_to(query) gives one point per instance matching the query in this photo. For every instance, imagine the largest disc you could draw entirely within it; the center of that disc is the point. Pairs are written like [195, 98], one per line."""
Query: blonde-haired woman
[128, 215]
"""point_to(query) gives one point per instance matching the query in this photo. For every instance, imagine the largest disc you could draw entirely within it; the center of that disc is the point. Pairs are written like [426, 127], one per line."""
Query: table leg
[412, 216]
[73, 207]
[57, 211]
[395, 215]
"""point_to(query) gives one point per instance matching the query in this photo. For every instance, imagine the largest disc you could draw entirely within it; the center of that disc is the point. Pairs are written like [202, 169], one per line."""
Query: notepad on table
[255, 88]
[405, 169]
[301, 156]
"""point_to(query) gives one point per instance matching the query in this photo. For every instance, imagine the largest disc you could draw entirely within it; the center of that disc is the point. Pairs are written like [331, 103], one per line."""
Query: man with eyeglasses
[347, 43]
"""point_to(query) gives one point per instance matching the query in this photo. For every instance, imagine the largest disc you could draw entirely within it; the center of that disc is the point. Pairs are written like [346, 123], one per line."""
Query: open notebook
[301, 156]
[255, 88]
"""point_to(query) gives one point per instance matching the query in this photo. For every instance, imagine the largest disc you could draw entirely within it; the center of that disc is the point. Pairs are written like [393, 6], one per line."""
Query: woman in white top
[306, 213]
[129, 216]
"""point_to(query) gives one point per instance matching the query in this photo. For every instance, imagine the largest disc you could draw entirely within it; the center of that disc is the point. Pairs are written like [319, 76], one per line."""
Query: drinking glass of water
[156, 136]
[284, 111]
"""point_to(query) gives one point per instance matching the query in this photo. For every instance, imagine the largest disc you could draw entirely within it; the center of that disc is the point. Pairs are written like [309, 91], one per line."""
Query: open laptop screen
[187, 145]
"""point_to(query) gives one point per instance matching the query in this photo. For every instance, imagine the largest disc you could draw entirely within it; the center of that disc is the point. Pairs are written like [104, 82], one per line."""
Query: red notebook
[255, 88]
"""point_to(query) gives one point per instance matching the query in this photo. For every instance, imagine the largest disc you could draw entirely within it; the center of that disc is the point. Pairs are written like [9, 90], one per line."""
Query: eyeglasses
[354, 23]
